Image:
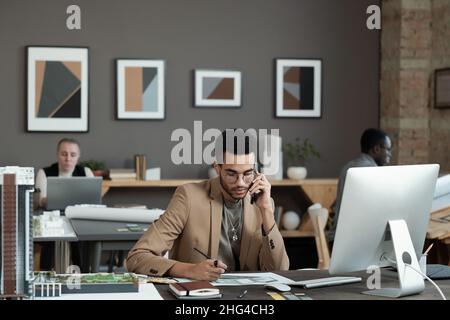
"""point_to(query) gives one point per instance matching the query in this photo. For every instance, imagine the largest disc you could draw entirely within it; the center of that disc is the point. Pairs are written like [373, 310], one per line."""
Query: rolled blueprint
[113, 214]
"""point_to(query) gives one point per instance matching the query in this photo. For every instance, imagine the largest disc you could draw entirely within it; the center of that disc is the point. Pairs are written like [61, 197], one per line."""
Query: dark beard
[227, 190]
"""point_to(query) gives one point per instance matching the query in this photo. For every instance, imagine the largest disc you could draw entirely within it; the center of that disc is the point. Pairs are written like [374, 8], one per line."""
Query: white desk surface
[147, 291]
[69, 233]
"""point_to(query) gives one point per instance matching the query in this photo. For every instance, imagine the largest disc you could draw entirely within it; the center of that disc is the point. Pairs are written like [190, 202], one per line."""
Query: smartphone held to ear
[254, 196]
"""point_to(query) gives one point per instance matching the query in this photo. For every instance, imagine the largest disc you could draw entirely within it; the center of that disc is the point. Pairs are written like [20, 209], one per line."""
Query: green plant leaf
[298, 153]
[94, 165]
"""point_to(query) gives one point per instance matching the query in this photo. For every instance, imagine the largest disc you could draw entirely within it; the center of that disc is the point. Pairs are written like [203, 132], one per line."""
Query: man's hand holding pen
[206, 270]
[209, 269]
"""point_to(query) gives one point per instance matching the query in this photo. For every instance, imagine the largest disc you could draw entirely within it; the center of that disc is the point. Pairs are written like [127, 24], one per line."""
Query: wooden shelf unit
[173, 183]
[315, 190]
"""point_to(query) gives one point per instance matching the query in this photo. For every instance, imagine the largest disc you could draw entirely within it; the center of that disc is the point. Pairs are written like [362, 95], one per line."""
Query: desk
[146, 292]
[439, 230]
[97, 236]
[343, 292]
[62, 245]
[258, 292]
[313, 190]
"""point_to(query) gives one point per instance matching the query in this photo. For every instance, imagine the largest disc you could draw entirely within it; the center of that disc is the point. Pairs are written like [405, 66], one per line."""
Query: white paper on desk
[147, 291]
[182, 280]
[113, 214]
[247, 279]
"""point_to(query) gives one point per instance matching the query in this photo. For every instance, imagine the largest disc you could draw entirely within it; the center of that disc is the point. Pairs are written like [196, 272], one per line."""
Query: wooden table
[439, 233]
[313, 190]
[437, 228]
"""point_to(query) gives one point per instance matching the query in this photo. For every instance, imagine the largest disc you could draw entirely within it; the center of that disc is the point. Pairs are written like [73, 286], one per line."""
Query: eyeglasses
[233, 177]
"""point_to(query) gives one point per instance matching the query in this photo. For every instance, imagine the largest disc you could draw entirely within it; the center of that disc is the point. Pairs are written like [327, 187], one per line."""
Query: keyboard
[325, 282]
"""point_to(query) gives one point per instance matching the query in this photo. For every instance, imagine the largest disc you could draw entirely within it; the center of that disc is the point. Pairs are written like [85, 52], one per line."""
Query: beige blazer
[193, 218]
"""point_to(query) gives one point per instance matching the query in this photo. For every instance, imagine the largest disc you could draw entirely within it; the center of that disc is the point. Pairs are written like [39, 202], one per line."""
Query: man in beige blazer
[217, 218]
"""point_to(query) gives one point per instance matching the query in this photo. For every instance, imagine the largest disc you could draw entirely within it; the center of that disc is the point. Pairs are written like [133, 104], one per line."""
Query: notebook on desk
[325, 282]
[195, 290]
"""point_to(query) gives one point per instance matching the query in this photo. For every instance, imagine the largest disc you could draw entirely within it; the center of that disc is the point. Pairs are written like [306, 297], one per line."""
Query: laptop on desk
[68, 191]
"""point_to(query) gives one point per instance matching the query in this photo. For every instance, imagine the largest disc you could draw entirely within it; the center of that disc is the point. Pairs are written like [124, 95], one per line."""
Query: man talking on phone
[222, 224]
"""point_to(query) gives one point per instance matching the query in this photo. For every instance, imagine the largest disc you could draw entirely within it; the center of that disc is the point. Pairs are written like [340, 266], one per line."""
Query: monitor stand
[410, 281]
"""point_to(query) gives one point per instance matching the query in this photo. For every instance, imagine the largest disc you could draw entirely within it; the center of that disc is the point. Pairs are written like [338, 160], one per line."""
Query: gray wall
[235, 34]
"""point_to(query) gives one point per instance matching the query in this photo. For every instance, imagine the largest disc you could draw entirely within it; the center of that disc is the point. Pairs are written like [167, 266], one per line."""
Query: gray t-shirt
[364, 160]
[230, 235]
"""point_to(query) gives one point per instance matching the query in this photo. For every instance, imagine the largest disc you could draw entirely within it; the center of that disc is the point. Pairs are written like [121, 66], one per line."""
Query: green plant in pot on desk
[98, 168]
[298, 153]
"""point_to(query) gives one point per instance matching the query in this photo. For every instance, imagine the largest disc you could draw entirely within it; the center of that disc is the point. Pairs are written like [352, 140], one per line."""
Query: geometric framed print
[298, 87]
[140, 89]
[217, 88]
[57, 89]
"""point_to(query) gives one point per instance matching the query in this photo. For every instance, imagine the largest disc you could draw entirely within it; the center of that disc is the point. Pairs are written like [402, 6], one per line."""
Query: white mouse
[278, 286]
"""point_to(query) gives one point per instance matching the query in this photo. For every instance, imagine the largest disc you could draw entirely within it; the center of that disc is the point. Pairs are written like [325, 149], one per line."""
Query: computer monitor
[383, 219]
[68, 191]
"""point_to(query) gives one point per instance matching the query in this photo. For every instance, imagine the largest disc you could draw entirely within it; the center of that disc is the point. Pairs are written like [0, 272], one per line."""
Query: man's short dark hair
[67, 140]
[370, 138]
[235, 141]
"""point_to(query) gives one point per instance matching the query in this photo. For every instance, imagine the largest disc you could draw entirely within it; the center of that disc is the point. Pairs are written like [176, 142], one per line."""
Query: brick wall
[390, 70]
[414, 42]
[440, 118]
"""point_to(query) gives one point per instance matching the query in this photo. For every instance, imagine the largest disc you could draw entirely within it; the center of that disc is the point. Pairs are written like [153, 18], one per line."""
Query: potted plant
[298, 154]
[98, 168]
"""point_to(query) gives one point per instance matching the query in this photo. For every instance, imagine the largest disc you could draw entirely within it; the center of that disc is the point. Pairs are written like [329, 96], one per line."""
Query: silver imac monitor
[68, 191]
[383, 220]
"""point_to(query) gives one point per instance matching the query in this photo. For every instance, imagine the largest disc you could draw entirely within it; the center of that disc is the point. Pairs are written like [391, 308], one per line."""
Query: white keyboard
[325, 282]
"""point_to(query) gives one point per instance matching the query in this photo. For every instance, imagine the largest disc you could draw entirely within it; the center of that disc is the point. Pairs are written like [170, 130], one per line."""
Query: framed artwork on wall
[442, 88]
[57, 89]
[140, 89]
[298, 88]
[215, 88]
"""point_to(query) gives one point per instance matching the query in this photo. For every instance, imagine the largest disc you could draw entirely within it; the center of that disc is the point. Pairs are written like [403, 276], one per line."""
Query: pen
[206, 256]
[242, 294]
[428, 250]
